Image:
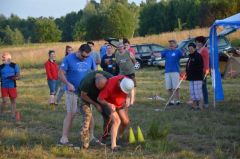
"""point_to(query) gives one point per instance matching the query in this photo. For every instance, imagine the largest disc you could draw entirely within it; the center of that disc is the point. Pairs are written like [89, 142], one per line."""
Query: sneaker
[171, 103]
[96, 142]
[64, 142]
[178, 102]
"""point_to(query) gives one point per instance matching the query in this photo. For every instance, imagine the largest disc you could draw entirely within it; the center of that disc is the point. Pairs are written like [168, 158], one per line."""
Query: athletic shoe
[178, 102]
[65, 144]
[171, 103]
[95, 142]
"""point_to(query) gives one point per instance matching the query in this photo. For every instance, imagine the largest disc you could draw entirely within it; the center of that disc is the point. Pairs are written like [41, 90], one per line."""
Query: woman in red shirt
[51, 68]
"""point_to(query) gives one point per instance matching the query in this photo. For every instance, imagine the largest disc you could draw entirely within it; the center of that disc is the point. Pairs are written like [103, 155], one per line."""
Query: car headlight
[158, 58]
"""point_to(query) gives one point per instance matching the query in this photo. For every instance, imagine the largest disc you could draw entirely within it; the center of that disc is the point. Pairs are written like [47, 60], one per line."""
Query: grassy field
[177, 133]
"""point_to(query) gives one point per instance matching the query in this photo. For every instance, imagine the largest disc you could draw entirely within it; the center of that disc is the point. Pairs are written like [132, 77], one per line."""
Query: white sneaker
[64, 142]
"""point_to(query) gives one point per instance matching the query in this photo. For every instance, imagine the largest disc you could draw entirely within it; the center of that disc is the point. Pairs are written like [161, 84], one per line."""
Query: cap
[126, 85]
[120, 44]
[172, 40]
[192, 44]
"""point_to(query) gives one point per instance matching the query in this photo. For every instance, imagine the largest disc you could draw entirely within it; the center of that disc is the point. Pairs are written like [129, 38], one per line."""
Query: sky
[45, 8]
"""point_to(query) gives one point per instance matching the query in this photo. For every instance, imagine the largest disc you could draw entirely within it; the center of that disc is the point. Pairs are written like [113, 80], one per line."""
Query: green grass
[177, 133]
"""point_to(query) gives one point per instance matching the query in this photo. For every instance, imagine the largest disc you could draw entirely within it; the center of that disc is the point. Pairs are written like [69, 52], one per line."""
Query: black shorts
[132, 76]
[106, 112]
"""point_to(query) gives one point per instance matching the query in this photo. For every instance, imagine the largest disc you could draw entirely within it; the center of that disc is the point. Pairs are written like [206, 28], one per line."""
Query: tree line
[116, 18]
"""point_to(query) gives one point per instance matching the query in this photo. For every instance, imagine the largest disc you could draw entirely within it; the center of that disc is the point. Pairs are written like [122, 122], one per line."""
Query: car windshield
[182, 44]
[157, 48]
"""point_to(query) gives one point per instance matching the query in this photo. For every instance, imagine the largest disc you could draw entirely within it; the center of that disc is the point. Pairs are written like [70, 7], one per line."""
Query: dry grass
[29, 55]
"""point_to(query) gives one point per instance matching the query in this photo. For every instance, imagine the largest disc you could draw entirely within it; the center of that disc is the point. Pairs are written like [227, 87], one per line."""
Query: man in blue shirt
[72, 70]
[172, 68]
[103, 50]
[9, 73]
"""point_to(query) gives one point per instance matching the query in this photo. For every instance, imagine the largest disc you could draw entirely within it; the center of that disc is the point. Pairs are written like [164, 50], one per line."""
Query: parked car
[143, 52]
[223, 45]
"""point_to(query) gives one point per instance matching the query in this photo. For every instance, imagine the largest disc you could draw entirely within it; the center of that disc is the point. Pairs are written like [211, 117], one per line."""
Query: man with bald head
[89, 90]
[9, 73]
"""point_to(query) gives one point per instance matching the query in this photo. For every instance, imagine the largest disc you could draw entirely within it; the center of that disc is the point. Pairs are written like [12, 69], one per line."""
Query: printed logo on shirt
[123, 60]
[173, 54]
[82, 66]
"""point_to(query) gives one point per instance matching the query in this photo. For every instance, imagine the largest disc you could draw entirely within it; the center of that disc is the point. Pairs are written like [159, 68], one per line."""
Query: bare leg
[177, 95]
[124, 122]
[200, 103]
[3, 104]
[13, 106]
[115, 126]
[67, 123]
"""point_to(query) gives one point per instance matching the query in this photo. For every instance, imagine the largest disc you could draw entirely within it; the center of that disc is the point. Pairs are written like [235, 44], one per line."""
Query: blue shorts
[52, 84]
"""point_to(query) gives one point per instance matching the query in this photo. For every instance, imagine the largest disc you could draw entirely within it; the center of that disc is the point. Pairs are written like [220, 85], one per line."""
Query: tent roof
[233, 21]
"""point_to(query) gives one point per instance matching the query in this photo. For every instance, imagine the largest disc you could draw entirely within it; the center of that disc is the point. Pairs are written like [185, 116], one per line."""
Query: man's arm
[132, 58]
[85, 97]
[63, 78]
[105, 103]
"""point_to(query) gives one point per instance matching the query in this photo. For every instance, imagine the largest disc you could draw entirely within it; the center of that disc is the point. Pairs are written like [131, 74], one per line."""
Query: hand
[99, 108]
[70, 87]
[207, 72]
[12, 77]
[113, 108]
[107, 61]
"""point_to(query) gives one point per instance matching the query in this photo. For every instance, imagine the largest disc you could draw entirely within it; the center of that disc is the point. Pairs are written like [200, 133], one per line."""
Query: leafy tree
[12, 37]
[79, 31]
[120, 22]
[46, 30]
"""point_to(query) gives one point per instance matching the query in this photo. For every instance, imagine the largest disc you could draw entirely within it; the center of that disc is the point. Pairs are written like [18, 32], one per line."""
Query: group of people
[112, 89]
[197, 69]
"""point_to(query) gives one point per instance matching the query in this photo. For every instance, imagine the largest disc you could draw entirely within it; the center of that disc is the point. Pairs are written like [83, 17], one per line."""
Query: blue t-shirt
[76, 69]
[172, 58]
[103, 51]
[6, 72]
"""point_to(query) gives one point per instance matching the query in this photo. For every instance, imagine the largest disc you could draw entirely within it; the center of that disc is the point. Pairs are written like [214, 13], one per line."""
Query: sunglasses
[84, 56]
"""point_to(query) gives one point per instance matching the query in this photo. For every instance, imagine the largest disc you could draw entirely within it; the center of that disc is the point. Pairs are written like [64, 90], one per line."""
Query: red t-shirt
[112, 92]
[51, 70]
[205, 56]
[132, 51]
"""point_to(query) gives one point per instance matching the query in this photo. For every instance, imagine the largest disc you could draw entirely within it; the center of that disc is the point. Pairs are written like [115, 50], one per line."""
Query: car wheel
[138, 65]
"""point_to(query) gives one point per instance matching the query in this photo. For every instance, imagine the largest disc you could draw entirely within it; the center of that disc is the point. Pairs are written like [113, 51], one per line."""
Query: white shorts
[171, 80]
[71, 102]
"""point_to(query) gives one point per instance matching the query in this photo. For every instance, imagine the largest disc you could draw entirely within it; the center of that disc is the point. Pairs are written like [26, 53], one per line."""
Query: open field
[34, 55]
[177, 133]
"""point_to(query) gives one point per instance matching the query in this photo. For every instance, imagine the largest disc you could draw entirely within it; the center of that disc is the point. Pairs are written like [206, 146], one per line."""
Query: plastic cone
[140, 135]
[131, 136]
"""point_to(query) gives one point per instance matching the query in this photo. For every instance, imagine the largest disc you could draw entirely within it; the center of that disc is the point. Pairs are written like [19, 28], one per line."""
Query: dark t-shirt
[88, 84]
[108, 64]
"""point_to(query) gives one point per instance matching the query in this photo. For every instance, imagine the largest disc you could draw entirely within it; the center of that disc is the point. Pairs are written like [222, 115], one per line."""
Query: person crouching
[114, 97]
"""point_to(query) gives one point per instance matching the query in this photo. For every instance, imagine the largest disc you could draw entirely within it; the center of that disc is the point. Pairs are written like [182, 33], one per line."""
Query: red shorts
[9, 92]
